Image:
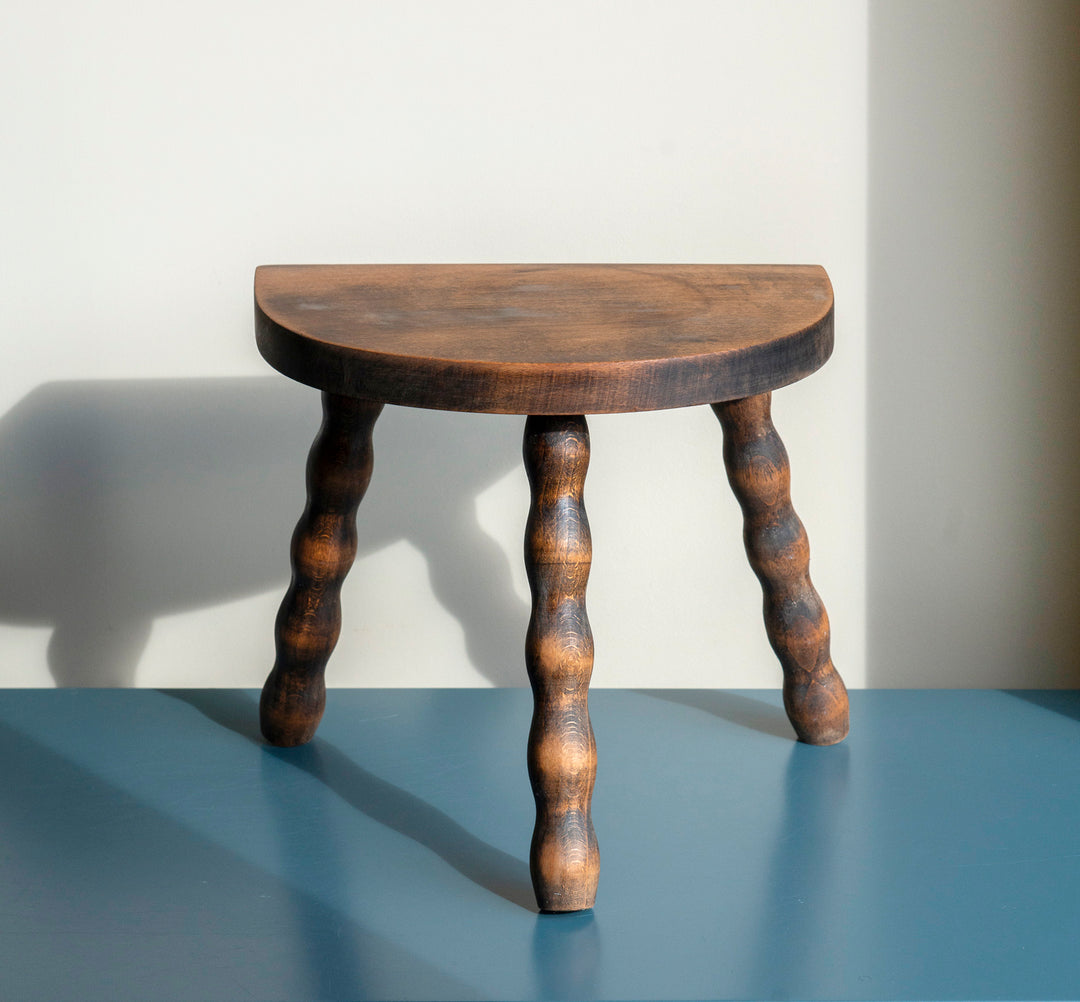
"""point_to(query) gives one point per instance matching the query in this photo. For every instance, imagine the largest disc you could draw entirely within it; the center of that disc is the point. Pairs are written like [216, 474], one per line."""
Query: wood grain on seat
[544, 339]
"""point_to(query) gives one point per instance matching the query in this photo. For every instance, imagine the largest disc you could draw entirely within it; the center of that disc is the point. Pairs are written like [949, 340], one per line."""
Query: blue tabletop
[152, 848]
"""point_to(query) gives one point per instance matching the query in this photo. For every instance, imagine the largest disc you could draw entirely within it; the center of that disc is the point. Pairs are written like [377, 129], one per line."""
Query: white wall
[974, 350]
[152, 464]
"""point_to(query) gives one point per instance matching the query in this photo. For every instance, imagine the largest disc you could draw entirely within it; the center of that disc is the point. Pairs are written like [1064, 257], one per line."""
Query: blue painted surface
[152, 848]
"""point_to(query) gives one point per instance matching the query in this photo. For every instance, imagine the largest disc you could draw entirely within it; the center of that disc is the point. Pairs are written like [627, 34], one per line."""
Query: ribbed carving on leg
[564, 860]
[323, 548]
[779, 552]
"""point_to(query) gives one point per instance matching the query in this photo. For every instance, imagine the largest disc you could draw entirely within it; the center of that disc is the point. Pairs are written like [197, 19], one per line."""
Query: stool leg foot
[564, 860]
[323, 548]
[776, 543]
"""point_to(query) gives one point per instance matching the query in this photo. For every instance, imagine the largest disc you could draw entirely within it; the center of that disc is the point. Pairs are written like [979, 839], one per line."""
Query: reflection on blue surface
[152, 847]
[567, 956]
[801, 900]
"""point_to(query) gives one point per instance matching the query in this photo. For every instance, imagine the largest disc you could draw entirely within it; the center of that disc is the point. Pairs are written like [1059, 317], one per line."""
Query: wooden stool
[553, 342]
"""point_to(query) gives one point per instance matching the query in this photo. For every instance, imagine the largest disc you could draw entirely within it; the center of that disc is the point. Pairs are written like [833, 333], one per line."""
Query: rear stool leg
[564, 860]
[795, 619]
[323, 548]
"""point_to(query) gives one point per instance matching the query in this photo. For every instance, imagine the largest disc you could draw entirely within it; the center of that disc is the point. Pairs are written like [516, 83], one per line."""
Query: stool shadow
[745, 711]
[1065, 702]
[389, 805]
[113, 862]
[126, 500]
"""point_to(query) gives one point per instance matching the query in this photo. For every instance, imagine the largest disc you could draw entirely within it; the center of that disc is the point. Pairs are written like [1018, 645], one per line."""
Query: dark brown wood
[565, 860]
[779, 552]
[544, 339]
[549, 341]
[323, 548]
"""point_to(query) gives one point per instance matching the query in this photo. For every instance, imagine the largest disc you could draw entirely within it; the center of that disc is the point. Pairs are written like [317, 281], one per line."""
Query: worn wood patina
[554, 343]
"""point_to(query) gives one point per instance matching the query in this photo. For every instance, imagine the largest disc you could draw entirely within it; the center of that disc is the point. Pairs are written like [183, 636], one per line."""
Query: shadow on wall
[128, 500]
[974, 344]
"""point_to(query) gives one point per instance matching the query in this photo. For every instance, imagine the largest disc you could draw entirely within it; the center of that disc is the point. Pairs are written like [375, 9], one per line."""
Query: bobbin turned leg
[564, 860]
[779, 552]
[323, 548]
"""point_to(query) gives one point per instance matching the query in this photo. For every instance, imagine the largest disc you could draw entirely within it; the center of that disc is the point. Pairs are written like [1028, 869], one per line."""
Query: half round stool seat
[554, 343]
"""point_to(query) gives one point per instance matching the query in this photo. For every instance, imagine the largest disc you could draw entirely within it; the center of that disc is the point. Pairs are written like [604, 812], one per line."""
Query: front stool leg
[795, 619]
[323, 548]
[564, 860]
